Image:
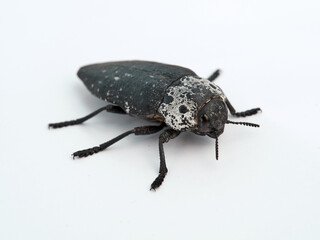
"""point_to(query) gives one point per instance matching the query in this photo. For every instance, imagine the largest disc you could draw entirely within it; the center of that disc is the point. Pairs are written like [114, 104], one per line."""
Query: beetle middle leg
[163, 138]
[145, 130]
[241, 114]
[108, 108]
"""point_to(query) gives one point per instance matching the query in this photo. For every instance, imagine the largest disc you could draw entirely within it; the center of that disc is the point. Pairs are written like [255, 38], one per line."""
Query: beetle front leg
[108, 108]
[241, 114]
[163, 138]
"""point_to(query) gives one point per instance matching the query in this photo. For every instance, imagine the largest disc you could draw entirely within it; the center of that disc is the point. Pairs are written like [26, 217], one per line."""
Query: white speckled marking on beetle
[182, 95]
[126, 106]
[116, 78]
[192, 82]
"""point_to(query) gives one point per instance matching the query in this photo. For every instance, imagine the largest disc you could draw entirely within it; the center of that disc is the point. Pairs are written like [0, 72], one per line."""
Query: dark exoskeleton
[172, 95]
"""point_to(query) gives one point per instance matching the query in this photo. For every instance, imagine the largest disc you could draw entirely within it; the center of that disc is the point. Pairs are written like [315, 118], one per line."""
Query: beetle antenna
[217, 149]
[243, 123]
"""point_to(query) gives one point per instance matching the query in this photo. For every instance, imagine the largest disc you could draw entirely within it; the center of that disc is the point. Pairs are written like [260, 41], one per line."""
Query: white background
[266, 183]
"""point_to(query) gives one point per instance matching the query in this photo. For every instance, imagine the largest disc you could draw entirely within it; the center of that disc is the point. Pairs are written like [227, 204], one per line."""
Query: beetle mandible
[172, 95]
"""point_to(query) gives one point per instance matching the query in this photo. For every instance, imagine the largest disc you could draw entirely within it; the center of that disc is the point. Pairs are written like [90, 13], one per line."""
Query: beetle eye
[204, 123]
[183, 109]
[204, 118]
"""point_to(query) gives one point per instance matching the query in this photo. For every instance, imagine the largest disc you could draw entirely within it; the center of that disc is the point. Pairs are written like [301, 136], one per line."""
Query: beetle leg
[163, 138]
[145, 130]
[214, 75]
[108, 108]
[241, 114]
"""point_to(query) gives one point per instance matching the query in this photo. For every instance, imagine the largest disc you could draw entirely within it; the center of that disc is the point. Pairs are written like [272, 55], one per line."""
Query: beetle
[174, 96]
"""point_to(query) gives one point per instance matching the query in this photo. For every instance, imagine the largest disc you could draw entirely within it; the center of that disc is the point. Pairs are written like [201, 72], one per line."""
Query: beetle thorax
[182, 100]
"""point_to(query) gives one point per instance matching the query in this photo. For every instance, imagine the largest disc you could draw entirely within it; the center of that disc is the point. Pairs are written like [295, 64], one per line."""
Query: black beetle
[172, 95]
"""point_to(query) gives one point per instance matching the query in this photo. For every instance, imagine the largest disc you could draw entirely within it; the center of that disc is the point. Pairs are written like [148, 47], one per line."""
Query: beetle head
[212, 117]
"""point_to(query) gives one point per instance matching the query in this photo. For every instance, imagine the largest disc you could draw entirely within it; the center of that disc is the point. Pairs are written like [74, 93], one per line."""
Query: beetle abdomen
[136, 86]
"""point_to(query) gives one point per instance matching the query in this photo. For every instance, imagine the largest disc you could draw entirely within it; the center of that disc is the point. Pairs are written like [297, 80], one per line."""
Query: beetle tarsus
[63, 124]
[86, 152]
[241, 114]
[158, 181]
[247, 113]
[214, 75]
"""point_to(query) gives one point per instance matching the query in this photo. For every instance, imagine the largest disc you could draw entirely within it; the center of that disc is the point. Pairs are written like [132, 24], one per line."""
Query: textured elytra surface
[138, 87]
[183, 99]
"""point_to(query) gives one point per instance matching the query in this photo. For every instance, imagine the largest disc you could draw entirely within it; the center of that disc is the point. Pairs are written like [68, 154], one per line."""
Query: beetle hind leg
[108, 108]
[164, 138]
[241, 114]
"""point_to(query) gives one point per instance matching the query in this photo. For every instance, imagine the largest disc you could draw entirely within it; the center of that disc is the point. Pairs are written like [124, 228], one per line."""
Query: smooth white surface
[266, 183]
